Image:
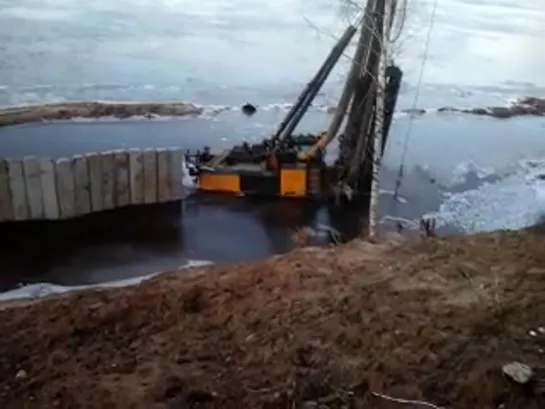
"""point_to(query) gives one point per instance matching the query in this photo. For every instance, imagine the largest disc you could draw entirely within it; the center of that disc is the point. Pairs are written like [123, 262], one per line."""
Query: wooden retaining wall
[35, 188]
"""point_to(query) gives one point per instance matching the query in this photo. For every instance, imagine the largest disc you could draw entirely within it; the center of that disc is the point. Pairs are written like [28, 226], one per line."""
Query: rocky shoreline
[528, 106]
[94, 109]
[384, 325]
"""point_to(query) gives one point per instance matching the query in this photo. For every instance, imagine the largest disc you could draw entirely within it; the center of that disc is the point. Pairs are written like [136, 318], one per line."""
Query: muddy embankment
[351, 326]
[69, 110]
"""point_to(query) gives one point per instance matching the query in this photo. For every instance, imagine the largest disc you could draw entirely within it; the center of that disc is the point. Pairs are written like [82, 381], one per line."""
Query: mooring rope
[407, 138]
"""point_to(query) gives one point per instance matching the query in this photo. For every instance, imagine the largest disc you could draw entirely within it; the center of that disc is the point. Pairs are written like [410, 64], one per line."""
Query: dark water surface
[137, 241]
[134, 242]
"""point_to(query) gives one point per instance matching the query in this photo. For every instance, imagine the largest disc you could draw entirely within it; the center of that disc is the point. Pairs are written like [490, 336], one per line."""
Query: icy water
[477, 173]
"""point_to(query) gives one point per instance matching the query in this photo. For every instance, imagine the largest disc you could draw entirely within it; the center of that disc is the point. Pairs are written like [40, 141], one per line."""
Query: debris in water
[249, 109]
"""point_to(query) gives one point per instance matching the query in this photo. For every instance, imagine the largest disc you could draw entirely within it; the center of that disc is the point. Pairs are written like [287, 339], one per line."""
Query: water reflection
[99, 247]
[135, 241]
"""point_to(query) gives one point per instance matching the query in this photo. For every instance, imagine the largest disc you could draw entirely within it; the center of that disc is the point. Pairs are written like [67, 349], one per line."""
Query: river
[473, 173]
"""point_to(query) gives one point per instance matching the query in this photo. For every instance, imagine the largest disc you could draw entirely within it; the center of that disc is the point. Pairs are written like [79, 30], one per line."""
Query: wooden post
[150, 176]
[360, 150]
[394, 75]
[163, 176]
[122, 181]
[33, 183]
[176, 173]
[366, 73]
[379, 123]
[107, 166]
[6, 209]
[35, 188]
[95, 181]
[360, 121]
[49, 190]
[17, 188]
[80, 170]
[136, 176]
[65, 188]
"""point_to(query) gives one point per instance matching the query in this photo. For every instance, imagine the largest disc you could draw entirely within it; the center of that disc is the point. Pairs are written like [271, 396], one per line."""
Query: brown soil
[431, 319]
[68, 110]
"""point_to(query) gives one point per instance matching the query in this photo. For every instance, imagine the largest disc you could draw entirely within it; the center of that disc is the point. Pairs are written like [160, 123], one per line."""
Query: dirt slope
[431, 320]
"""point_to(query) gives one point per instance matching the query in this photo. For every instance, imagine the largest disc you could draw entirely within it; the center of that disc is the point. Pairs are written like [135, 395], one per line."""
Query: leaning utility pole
[354, 73]
[359, 126]
[302, 104]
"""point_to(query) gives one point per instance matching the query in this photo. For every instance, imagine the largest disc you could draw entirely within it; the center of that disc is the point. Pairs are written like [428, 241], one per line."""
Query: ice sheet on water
[515, 201]
[464, 169]
[39, 290]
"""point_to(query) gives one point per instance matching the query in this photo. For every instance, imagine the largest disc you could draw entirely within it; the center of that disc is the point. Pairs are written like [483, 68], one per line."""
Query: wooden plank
[150, 176]
[6, 209]
[136, 176]
[176, 174]
[17, 187]
[65, 188]
[47, 181]
[33, 183]
[94, 167]
[122, 185]
[108, 179]
[81, 185]
[163, 176]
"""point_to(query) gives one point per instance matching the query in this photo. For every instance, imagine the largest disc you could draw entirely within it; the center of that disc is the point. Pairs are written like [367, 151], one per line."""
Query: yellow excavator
[286, 165]
[264, 169]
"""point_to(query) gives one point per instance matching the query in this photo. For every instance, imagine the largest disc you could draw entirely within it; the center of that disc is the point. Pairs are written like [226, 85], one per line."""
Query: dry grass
[432, 320]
